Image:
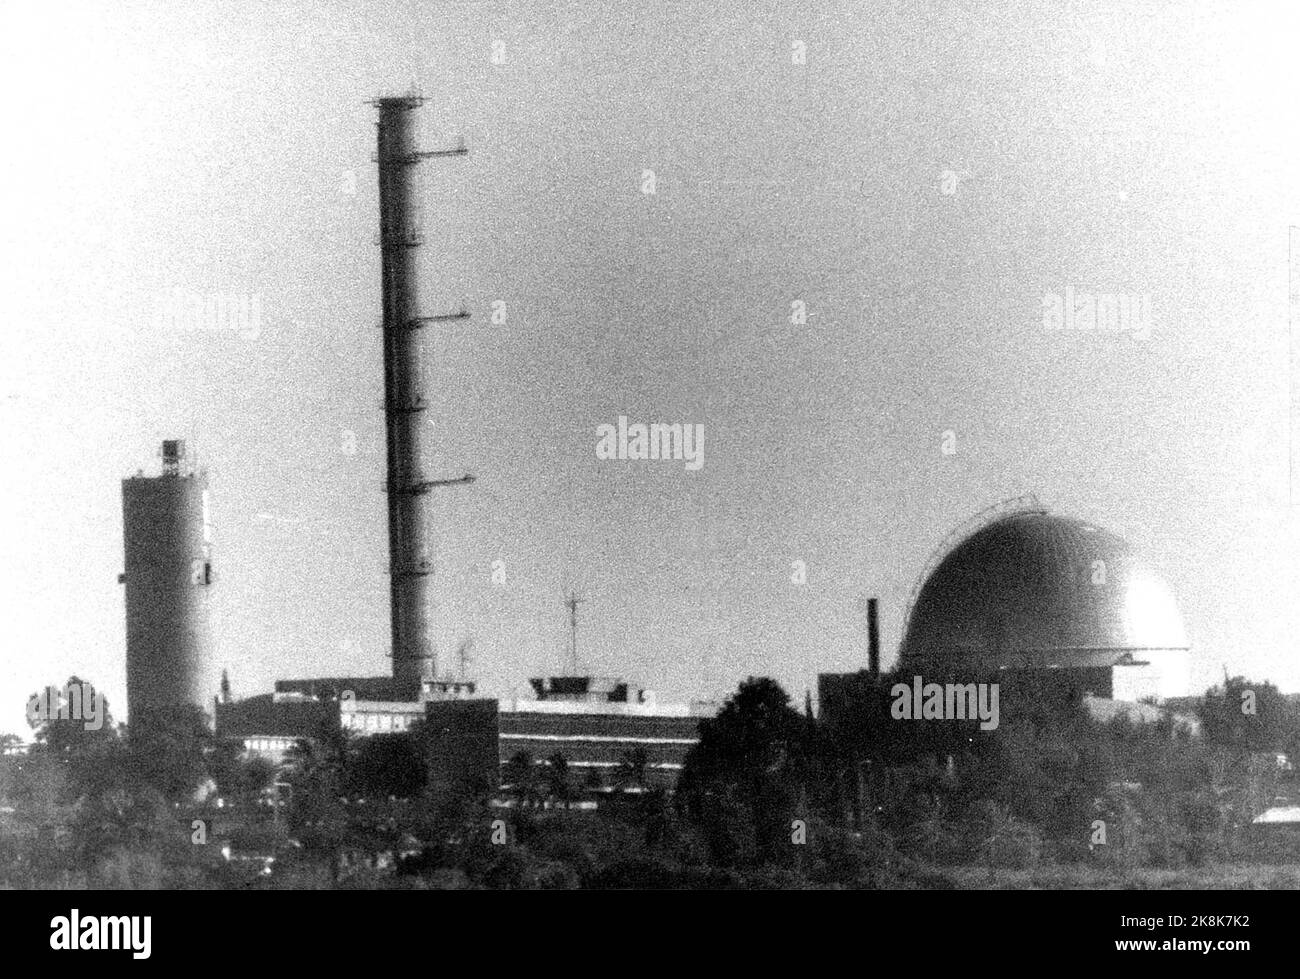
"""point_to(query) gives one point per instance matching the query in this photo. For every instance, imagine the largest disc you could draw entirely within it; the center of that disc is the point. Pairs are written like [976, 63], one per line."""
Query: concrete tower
[411, 562]
[168, 577]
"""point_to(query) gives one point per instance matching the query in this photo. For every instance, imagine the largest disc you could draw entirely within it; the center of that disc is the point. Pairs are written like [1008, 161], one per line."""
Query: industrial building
[168, 579]
[1034, 590]
[1025, 596]
[601, 725]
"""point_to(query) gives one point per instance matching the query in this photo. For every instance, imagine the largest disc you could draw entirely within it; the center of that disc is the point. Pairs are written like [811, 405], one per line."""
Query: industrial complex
[598, 724]
[1020, 591]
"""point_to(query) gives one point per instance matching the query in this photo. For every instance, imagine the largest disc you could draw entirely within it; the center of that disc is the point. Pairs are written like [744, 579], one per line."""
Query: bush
[845, 858]
[636, 873]
[447, 879]
[128, 870]
[775, 879]
[935, 841]
[555, 875]
[1013, 845]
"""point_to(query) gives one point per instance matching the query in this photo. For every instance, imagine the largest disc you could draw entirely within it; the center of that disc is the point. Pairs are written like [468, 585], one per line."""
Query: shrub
[936, 841]
[1013, 845]
[128, 870]
[636, 873]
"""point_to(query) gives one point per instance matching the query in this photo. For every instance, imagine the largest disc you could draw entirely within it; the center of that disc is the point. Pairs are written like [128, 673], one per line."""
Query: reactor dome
[1032, 589]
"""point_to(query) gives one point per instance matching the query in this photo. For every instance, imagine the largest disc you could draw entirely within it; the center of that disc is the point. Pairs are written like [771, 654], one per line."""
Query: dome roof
[1034, 589]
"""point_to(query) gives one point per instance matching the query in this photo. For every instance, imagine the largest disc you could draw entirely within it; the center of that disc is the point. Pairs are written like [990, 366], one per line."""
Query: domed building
[1032, 590]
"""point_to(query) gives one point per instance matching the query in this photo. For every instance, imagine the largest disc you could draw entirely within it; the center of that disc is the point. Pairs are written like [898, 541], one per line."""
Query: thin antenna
[571, 603]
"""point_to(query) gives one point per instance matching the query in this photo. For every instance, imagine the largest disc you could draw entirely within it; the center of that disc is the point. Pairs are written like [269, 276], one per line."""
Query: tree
[69, 718]
[388, 765]
[746, 778]
[135, 819]
[631, 772]
[520, 776]
[173, 750]
[1247, 716]
[98, 768]
[255, 776]
[225, 764]
[319, 763]
[239, 777]
[317, 771]
[40, 781]
[558, 784]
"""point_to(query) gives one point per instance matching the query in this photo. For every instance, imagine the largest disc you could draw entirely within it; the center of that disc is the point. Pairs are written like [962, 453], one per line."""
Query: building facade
[611, 734]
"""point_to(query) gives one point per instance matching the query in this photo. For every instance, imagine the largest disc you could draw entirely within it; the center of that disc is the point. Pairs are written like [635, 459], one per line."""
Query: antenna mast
[571, 603]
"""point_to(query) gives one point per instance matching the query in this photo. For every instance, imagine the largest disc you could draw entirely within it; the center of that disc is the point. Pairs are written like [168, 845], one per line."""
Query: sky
[917, 177]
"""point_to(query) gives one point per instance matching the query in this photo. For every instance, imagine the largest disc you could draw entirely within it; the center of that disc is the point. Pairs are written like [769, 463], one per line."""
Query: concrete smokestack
[404, 402]
[873, 638]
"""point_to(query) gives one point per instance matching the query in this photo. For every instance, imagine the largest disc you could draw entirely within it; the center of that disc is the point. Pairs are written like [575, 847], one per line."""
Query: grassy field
[1078, 877]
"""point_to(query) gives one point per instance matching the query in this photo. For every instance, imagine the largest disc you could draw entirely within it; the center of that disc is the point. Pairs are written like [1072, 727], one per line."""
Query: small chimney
[873, 639]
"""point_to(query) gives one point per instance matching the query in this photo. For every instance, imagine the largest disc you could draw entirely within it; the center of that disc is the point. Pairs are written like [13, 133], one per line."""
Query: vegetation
[768, 799]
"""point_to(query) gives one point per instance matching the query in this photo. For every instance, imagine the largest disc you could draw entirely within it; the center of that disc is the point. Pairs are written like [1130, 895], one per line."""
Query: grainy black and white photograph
[700, 446]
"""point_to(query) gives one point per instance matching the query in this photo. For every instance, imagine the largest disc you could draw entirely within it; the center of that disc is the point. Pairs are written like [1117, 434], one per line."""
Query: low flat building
[270, 724]
[610, 733]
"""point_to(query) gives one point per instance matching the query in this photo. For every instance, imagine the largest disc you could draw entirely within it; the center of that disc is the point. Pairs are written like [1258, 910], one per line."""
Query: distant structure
[839, 695]
[614, 736]
[611, 733]
[1040, 603]
[571, 602]
[168, 579]
[411, 562]
[303, 708]
[1035, 591]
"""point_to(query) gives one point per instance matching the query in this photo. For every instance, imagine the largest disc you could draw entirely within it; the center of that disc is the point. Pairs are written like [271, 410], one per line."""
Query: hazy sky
[225, 147]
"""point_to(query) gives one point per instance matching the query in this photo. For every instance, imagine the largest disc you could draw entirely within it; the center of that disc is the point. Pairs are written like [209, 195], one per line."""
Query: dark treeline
[769, 798]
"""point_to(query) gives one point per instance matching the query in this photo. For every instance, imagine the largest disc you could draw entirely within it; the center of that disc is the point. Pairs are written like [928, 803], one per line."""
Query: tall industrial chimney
[404, 400]
[873, 638]
[168, 578]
